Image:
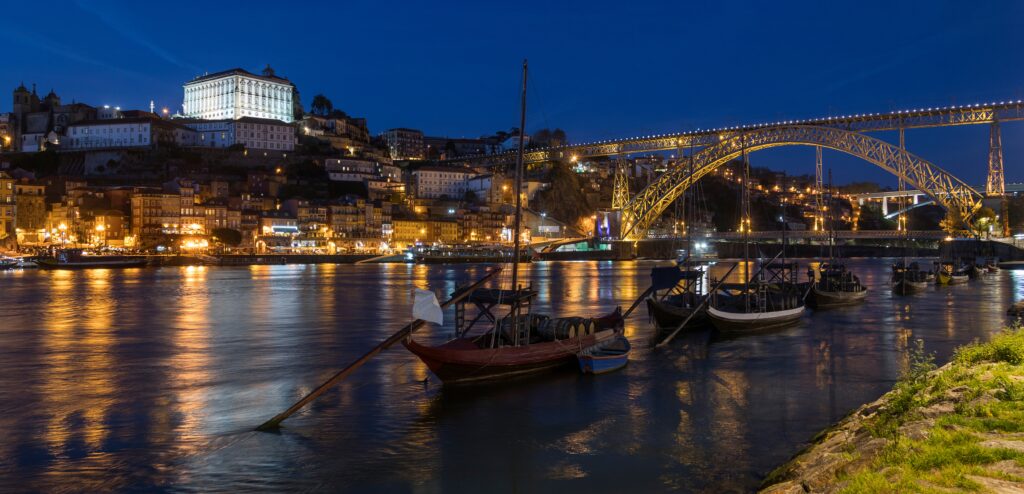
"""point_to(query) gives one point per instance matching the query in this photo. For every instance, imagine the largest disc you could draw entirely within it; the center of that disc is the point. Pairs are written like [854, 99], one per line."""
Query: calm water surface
[152, 380]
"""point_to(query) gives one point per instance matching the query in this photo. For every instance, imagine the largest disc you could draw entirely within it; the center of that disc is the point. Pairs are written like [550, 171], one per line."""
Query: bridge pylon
[620, 190]
[995, 185]
[819, 186]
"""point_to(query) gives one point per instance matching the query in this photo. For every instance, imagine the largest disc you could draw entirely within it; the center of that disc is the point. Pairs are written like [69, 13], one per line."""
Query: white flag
[426, 307]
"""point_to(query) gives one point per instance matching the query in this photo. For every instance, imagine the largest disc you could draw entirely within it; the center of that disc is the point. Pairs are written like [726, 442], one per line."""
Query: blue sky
[599, 69]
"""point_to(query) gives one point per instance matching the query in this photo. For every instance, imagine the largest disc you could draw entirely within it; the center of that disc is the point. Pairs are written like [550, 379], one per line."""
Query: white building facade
[127, 133]
[237, 93]
[438, 182]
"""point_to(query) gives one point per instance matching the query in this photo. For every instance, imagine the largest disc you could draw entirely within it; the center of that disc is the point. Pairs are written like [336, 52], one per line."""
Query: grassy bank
[954, 429]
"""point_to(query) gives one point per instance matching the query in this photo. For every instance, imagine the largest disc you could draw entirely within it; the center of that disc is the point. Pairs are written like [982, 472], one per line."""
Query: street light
[63, 234]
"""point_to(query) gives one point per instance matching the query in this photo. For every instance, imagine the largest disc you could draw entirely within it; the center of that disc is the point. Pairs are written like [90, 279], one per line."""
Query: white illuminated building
[237, 93]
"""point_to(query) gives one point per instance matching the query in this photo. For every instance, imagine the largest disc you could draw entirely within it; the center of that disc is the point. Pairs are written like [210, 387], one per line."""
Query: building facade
[140, 132]
[237, 93]
[435, 182]
[8, 212]
[404, 144]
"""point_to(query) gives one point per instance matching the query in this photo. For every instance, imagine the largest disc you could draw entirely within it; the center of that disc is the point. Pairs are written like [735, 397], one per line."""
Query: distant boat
[836, 286]
[77, 259]
[602, 358]
[947, 273]
[6, 263]
[908, 278]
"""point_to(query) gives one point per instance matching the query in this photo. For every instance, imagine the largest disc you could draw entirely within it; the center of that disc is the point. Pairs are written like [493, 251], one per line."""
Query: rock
[787, 487]
[937, 410]
[1003, 444]
[998, 485]
[956, 394]
[917, 430]
[821, 471]
[987, 398]
[1007, 467]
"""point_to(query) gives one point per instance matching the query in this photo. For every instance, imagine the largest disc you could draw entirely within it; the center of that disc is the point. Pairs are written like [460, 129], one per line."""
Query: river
[152, 380]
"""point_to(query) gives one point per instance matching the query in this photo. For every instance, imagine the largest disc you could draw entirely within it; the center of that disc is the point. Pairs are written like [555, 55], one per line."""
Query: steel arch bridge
[942, 187]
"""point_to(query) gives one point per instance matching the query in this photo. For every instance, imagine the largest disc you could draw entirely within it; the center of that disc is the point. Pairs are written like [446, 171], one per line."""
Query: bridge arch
[942, 187]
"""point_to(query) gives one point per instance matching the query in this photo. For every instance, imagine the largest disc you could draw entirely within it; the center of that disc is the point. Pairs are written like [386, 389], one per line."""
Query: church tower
[22, 101]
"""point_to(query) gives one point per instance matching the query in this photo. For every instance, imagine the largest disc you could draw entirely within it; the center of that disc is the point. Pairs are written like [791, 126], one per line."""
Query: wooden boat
[835, 285]
[608, 356]
[534, 344]
[771, 301]
[515, 342]
[750, 322]
[946, 273]
[76, 259]
[822, 295]
[683, 287]
[673, 310]
[976, 272]
[908, 278]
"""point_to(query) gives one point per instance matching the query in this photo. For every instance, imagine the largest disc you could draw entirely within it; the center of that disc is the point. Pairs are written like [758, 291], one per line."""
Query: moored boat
[76, 259]
[474, 358]
[908, 278]
[608, 356]
[947, 273]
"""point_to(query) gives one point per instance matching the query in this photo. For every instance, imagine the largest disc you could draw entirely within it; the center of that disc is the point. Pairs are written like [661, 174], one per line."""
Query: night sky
[599, 69]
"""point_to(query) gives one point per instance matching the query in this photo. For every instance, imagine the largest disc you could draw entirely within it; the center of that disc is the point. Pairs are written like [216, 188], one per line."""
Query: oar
[275, 423]
[697, 309]
[637, 301]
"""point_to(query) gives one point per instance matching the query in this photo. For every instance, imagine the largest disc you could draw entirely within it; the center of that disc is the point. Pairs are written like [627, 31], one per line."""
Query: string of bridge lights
[777, 123]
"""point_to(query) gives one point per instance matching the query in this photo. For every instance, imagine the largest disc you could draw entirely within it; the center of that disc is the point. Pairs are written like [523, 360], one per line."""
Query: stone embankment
[959, 428]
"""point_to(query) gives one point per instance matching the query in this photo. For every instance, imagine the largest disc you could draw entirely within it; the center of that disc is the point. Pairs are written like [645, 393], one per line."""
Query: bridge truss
[945, 189]
[973, 114]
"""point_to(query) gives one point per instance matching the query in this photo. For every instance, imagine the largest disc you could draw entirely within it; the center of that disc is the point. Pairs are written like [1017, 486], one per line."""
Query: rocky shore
[958, 428]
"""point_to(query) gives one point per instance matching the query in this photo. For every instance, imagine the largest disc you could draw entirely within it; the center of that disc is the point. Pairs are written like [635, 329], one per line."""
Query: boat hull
[824, 298]
[602, 365]
[609, 356]
[739, 322]
[904, 287]
[669, 316]
[948, 279]
[460, 361]
[99, 264]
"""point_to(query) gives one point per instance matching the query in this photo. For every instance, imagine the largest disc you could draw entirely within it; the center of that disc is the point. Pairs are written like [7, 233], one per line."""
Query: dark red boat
[550, 344]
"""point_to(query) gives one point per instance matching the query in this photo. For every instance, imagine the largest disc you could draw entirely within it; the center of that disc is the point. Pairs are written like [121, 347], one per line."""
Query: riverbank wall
[666, 249]
[959, 428]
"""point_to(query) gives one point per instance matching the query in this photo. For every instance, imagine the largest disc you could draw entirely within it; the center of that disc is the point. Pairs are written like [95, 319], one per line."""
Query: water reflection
[152, 379]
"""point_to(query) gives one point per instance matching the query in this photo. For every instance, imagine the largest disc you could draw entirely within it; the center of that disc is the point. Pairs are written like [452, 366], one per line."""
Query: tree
[953, 223]
[227, 236]
[321, 106]
[983, 220]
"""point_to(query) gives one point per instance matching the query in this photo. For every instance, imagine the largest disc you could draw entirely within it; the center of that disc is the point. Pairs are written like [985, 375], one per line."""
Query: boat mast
[745, 221]
[831, 221]
[518, 189]
[688, 212]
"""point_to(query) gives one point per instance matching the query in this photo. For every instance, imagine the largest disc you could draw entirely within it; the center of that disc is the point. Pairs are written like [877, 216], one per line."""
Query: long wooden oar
[637, 301]
[696, 309]
[275, 423]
